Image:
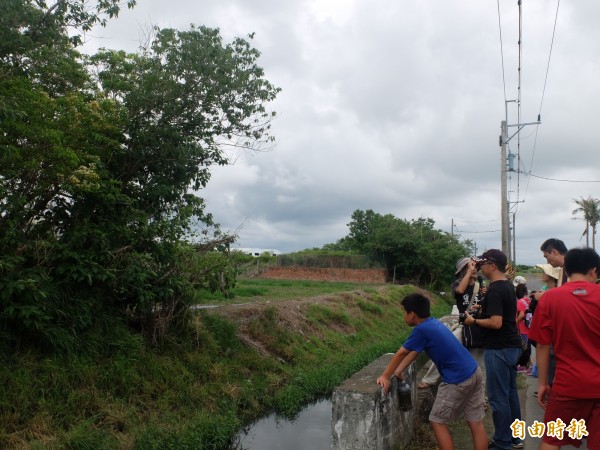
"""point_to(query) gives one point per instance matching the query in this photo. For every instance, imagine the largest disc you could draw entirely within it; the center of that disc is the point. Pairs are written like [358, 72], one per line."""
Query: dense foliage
[202, 386]
[100, 158]
[325, 258]
[411, 250]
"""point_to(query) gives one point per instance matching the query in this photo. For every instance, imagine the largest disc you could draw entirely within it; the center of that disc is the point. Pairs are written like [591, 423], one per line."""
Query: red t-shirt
[569, 318]
[522, 305]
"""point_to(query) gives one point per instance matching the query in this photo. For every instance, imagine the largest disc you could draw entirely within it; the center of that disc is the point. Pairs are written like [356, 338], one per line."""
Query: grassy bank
[231, 365]
[259, 289]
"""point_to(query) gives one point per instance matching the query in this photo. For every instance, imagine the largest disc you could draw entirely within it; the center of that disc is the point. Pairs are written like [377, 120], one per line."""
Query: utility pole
[503, 188]
[514, 239]
[506, 165]
[507, 160]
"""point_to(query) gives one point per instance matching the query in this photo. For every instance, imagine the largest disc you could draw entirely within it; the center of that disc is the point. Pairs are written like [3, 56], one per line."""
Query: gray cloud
[396, 107]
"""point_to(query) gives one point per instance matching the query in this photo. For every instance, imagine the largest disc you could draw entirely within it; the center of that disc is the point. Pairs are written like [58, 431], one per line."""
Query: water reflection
[310, 430]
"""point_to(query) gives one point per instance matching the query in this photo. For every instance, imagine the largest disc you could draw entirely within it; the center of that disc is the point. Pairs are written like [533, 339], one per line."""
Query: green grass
[260, 289]
[204, 383]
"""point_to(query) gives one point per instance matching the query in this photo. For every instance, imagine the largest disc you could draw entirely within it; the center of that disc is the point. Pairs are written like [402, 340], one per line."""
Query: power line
[542, 99]
[549, 57]
[476, 221]
[501, 50]
[477, 232]
[564, 181]
[520, 42]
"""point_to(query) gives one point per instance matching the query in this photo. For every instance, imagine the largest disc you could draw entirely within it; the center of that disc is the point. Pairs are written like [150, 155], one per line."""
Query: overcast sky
[395, 106]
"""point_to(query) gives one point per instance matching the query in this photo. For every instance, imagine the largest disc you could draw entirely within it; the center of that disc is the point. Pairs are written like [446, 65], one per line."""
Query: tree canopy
[101, 159]
[412, 250]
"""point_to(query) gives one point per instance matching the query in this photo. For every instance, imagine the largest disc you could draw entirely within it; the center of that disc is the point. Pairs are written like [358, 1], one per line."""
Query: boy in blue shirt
[461, 390]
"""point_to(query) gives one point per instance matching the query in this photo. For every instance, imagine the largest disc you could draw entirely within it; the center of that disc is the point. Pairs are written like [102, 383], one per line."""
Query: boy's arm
[384, 379]
[408, 359]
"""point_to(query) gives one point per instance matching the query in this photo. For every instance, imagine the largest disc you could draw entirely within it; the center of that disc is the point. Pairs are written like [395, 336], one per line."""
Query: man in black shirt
[502, 345]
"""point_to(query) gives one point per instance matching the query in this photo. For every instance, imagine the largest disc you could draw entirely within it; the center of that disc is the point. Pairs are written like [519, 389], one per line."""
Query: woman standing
[550, 278]
[522, 307]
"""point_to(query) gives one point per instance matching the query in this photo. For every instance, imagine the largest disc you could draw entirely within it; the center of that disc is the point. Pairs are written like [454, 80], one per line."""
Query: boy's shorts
[585, 411]
[453, 400]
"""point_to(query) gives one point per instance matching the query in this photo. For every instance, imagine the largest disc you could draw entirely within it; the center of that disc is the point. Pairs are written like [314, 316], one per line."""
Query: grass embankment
[251, 290]
[233, 364]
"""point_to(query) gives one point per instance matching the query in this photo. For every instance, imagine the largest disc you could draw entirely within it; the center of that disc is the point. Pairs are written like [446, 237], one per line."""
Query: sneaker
[535, 394]
[529, 371]
[521, 369]
[518, 444]
[492, 445]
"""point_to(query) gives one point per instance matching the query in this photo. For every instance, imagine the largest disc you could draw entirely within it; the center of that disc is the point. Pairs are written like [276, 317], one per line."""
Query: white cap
[519, 280]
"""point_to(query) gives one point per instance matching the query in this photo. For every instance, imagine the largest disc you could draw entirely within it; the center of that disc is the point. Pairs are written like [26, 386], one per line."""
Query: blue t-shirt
[453, 360]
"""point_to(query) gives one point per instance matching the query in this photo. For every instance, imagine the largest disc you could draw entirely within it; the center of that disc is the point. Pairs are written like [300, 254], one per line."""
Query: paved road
[534, 282]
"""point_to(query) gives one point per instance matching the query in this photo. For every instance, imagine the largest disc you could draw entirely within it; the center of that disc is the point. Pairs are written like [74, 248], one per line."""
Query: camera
[475, 313]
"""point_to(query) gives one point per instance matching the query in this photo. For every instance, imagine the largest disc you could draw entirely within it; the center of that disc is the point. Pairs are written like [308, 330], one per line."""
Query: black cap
[493, 255]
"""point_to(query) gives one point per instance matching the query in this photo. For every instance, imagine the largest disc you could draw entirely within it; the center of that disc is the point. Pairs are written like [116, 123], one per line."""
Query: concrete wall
[363, 418]
[326, 274]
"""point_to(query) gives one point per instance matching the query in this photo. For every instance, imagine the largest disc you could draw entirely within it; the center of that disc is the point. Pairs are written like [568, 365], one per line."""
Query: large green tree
[101, 159]
[411, 250]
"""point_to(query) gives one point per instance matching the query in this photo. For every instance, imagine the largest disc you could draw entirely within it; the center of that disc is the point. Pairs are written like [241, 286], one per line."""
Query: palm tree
[590, 208]
[594, 219]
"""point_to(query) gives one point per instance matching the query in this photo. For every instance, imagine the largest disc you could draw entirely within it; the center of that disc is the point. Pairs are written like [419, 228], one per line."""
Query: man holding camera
[502, 345]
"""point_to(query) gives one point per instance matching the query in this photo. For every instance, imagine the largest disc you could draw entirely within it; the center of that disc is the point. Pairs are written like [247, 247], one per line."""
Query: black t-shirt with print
[501, 300]
[462, 300]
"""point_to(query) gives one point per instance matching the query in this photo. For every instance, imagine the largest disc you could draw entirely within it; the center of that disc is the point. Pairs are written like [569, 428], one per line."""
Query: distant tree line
[411, 250]
[324, 258]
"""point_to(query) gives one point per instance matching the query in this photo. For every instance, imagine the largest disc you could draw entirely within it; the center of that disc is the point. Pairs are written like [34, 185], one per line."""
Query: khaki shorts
[454, 400]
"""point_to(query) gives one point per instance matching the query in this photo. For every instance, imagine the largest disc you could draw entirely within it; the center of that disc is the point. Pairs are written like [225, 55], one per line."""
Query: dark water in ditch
[311, 429]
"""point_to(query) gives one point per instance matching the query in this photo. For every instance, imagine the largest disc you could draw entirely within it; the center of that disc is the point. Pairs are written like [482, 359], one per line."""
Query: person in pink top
[567, 318]
[522, 292]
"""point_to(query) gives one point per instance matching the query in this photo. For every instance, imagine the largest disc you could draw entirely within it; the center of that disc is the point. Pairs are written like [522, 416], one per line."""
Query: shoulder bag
[472, 336]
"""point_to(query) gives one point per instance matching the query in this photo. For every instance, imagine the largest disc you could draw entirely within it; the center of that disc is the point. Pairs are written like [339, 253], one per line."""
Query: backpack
[528, 313]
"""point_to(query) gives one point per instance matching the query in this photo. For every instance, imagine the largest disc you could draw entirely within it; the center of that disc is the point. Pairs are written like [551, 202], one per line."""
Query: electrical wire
[501, 51]
[542, 99]
[549, 57]
[520, 43]
[476, 232]
[562, 180]
[476, 221]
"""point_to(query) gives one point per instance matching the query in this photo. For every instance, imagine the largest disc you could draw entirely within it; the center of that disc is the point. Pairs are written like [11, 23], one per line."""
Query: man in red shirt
[567, 317]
